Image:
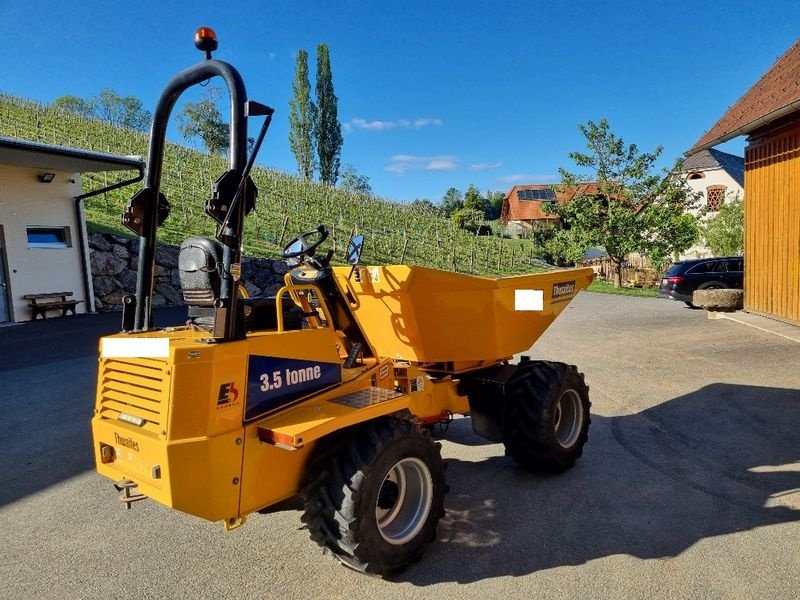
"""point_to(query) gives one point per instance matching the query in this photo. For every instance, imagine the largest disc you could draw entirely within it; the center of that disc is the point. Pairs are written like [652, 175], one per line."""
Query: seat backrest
[199, 264]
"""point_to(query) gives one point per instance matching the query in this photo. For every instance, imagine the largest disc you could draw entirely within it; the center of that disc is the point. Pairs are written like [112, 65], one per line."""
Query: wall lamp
[47, 177]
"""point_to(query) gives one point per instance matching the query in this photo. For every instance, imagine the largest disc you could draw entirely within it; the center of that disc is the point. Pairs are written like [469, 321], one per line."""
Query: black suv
[684, 277]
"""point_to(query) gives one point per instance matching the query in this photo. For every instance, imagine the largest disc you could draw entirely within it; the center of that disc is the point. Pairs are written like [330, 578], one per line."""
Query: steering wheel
[306, 243]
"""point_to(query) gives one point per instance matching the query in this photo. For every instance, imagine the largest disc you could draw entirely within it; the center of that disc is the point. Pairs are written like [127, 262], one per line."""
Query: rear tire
[715, 285]
[546, 422]
[376, 499]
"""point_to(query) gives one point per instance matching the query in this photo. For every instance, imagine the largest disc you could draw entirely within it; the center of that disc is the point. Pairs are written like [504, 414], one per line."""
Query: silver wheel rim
[568, 418]
[404, 501]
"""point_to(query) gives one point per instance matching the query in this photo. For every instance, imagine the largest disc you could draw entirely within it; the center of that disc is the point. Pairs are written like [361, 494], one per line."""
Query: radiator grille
[138, 387]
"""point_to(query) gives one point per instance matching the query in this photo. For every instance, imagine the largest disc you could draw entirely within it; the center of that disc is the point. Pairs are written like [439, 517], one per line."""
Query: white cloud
[485, 166]
[400, 163]
[379, 125]
[526, 178]
[425, 122]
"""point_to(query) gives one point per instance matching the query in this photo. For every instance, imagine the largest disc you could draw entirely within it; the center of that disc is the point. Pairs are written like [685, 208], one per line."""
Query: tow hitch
[128, 492]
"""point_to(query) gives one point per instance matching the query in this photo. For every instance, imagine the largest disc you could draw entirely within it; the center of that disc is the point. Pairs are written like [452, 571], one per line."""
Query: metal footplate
[366, 397]
[127, 496]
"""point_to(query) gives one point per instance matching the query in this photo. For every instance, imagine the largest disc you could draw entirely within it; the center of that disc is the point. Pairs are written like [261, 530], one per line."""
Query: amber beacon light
[205, 39]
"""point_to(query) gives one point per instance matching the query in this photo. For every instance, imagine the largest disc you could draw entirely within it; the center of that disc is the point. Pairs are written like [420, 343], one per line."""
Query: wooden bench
[41, 303]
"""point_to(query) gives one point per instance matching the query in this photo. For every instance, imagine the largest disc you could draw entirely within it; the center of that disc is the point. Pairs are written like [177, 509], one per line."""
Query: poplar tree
[328, 129]
[302, 118]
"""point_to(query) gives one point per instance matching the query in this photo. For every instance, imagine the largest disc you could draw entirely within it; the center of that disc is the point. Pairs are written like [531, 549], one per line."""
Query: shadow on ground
[720, 460]
[59, 338]
[48, 372]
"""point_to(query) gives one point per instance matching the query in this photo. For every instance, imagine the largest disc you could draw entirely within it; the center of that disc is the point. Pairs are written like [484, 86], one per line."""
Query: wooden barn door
[772, 225]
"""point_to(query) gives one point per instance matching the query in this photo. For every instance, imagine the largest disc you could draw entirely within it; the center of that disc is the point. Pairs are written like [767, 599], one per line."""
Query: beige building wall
[26, 202]
[711, 177]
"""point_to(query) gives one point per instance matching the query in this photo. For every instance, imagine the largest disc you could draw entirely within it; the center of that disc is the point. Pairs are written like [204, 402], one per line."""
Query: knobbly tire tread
[347, 474]
[528, 432]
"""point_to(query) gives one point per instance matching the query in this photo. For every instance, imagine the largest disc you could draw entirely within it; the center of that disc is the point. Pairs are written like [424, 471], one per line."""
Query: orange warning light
[206, 40]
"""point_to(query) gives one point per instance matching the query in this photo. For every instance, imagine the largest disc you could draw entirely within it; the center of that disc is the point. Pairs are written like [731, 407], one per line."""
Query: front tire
[547, 417]
[375, 501]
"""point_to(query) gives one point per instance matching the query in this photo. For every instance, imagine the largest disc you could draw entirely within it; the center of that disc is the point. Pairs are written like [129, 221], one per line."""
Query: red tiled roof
[776, 94]
[515, 209]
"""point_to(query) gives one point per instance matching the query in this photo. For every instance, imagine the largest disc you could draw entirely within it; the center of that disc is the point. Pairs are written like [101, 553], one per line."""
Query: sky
[432, 95]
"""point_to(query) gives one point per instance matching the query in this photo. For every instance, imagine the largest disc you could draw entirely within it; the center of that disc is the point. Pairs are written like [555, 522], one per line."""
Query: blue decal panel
[273, 382]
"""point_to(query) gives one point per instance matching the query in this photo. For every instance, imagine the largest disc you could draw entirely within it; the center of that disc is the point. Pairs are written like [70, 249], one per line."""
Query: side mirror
[354, 249]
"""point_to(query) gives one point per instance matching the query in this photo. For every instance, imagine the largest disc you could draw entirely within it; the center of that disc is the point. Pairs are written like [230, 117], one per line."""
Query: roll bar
[233, 196]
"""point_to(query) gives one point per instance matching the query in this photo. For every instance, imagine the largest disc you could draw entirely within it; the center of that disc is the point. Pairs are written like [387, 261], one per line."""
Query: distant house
[718, 177]
[769, 114]
[43, 245]
[522, 206]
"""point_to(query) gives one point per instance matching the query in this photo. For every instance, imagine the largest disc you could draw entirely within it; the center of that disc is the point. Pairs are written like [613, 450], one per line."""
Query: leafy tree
[451, 202]
[494, 203]
[122, 111]
[328, 129]
[672, 231]
[203, 119]
[724, 232]
[633, 209]
[555, 245]
[302, 119]
[474, 201]
[351, 181]
[76, 106]
[424, 206]
[468, 219]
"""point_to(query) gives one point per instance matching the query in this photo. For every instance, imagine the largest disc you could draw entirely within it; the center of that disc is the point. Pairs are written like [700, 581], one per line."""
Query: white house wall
[712, 177]
[26, 202]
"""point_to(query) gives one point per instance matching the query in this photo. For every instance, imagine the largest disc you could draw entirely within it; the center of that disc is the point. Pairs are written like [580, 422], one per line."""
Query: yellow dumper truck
[328, 389]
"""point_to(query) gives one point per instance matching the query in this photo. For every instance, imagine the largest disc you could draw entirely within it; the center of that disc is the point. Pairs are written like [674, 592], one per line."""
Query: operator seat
[199, 264]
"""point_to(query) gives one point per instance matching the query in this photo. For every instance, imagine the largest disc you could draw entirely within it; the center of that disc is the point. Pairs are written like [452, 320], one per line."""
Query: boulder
[725, 300]
[105, 263]
[104, 285]
[167, 256]
[97, 241]
[170, 294]
[280, 267]
[261, 276]
[127, 279]
[159, 300]
[119, 239]
[120, 251]
[272, 289]
[252, 289]
[114, 299]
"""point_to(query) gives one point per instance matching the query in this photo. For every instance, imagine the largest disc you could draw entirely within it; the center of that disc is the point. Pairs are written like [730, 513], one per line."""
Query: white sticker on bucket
[528, 299]
[134, 348]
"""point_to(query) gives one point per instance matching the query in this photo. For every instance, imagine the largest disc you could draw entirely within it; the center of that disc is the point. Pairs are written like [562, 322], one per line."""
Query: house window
[715, 197]
[49, 237]
[696, 176]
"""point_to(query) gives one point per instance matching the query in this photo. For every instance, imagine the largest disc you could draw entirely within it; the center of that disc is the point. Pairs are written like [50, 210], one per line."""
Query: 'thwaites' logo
[127, 442]
[565, 288]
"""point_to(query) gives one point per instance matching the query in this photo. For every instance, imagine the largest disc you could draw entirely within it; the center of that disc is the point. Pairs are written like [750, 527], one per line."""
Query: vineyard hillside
[286, 205]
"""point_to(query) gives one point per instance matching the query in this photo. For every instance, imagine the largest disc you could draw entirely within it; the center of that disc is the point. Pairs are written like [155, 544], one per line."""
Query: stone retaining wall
[114, 261]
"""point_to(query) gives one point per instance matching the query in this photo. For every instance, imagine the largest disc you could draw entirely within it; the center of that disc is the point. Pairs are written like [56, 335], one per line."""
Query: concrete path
[689, 486]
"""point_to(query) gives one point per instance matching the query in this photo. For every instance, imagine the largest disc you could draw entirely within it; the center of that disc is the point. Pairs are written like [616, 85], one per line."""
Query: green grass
[286, 205]
[603, 287]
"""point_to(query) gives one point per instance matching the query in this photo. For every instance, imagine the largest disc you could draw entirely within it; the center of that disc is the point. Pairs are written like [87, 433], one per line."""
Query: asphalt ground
[689, 486]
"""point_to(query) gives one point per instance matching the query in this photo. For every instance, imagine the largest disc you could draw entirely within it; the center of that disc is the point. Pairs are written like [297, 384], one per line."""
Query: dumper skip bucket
[428, 316]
